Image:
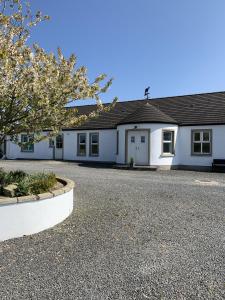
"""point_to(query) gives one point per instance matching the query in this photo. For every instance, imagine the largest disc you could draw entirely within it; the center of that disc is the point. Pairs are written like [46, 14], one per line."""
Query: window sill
[167, 155]
[201, 154]
[27, 151]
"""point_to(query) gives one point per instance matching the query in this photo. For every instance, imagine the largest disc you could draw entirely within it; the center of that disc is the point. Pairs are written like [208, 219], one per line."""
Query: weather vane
[147, 92]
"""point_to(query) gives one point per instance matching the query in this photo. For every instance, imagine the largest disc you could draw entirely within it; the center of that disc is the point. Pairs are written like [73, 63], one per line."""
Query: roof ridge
[153, 99]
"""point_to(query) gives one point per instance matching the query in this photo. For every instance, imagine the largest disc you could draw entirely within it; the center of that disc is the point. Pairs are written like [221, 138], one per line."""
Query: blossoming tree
[35, 86]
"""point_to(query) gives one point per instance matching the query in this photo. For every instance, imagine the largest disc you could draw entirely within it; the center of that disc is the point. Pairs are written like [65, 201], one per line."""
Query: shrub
[14, 176]
[2, 176]
[23, 187]
[27, 184]
[18, 175]
[11, 177]
[41, 183]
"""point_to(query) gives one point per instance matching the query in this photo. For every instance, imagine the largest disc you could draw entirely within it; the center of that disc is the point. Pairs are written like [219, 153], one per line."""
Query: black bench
[218, 165]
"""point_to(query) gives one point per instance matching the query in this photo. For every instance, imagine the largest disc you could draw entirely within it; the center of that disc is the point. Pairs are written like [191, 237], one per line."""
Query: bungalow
[173, 132]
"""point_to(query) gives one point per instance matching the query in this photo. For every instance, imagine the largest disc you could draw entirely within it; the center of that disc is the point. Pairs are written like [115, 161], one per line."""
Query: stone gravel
[132, 235]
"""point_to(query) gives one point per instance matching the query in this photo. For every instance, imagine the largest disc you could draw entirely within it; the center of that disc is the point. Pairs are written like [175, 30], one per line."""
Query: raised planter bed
[27, 215]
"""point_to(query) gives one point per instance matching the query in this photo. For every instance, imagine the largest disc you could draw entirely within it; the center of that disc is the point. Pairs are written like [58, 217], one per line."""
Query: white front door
[138, 147]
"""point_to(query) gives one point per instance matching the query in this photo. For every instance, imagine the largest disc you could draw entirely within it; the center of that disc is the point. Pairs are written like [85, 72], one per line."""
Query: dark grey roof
[147, 113]
[200, 109]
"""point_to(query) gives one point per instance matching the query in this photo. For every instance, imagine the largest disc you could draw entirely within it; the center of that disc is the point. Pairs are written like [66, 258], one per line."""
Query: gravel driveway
[132, 235]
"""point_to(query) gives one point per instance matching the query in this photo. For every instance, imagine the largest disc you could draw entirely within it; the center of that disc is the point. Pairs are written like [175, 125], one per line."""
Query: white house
[174, 132]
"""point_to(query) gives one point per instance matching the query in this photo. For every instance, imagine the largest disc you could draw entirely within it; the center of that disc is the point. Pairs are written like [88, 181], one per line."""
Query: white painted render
[27, 218]
[107, 146]
[218, 145]
[156, 157]
[41, 151]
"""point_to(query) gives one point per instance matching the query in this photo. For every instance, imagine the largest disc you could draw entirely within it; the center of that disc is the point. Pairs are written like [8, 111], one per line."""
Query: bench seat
[218, 165]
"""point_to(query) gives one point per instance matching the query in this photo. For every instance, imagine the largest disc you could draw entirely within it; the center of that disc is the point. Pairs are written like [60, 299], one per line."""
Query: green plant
[23, 187]
[27, 184]
[131, 162]
[41, 183]
[2, 176]
[15, 176]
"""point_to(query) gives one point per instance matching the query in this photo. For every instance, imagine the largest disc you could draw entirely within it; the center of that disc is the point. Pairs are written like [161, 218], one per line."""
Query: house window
[143, 139]
[94, 144]
[51, 143]
[117, 142]
[81, 144]
[201, 142]
[168, 142]
[59, 141]
[27, 139]
[132, 139]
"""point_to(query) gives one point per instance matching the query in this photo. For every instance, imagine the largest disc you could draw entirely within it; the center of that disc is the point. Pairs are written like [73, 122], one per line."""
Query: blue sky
[177, 47]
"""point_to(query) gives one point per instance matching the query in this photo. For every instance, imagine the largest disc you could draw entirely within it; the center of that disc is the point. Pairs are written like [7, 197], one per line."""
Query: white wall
[107, 145]
[218, 145]
[156, 157]
[27, 218]
[41, 151]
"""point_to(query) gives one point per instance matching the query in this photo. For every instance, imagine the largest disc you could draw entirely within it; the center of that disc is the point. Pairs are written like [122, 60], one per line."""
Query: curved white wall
[156, 157]
[27, 218]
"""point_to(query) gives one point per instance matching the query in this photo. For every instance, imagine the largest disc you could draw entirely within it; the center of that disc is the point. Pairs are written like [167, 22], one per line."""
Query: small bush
[2, 176]
[11, 177]
[27, 184]
[18, 175]
[41, 183]
[14, 177]
[23, 187]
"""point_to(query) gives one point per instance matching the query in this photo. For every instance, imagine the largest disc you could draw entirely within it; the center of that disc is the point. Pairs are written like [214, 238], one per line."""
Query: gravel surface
[132, 235]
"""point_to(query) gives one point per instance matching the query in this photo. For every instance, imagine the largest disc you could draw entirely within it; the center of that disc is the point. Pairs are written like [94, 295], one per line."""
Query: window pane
[82, 149]
[24, 138]
[94, 149]
[205, 147]
[59, 142]
[51, 143]
[82, 144]
[167, 136]
[132, 139]
[167, 148]
[30, 147]
[206, 135]
[94, 138]
[197, 136]
[197, 147]
[82, 138]
[142, 139]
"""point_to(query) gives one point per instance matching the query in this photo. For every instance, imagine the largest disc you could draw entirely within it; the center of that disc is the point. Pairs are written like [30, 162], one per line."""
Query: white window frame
[79, 143]
[201, 141]
[29, 147]
[171, 141]
[91, 143]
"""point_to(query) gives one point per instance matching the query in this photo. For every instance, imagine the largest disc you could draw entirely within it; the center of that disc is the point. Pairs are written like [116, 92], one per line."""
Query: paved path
[132, 235]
